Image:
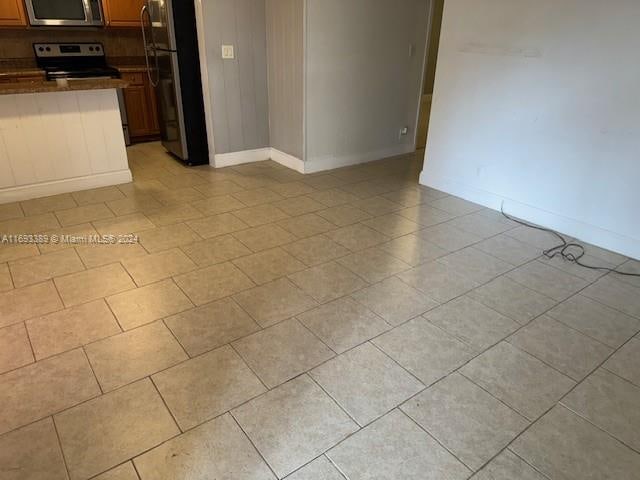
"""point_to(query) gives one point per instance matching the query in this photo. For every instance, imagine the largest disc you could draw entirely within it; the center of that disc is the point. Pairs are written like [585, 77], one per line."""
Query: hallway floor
[344, 325]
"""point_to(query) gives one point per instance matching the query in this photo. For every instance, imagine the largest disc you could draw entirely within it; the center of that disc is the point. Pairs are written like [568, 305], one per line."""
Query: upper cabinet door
[122, 13]
[12, 13]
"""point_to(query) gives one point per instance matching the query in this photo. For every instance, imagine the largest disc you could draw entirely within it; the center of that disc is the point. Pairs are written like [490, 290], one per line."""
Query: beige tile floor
[344, 325]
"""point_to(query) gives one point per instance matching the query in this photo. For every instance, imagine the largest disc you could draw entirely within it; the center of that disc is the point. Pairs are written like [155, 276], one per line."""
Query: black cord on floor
[563, 250]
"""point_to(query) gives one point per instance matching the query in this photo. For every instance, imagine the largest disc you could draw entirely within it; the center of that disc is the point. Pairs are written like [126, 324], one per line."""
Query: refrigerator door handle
[154, 83]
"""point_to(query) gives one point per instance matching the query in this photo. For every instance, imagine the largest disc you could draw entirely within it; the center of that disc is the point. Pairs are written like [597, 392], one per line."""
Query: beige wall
[285, 53]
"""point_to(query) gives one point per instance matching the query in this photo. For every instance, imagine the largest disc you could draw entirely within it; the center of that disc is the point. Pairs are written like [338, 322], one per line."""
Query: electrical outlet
[228, 52]
[404, 131]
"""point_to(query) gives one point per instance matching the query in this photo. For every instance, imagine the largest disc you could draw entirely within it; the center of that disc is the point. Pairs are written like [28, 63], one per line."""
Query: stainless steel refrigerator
[173, 66]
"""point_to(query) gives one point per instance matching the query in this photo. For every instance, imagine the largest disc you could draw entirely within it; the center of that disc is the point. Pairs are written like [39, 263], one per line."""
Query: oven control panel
[44, 50]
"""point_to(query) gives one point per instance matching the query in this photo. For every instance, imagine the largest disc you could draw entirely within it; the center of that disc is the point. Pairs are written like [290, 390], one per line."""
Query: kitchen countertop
[74, 85]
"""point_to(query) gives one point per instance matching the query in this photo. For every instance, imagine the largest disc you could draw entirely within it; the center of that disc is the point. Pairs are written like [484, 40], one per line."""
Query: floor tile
[316, 250]
[609, 402]
[71, 328]
[425, 215]
[373, 265]
[365, 189]
[513, 300]
[343, 215]
[264, 237]
[327, 282]
[307, 225]
[86, 213]
[97, 195]
[366, 383]
[130, 356]
[473, 323]
[211, 326]
[15, 349]
[97, 255]
[264, 267]
[88, 285]
[217, 189]
[148, 304]
[467, 420]
[323, 181]
[126, 471]
[217, 449]
[395, 301]
[217, 225]
[393, 225]
[426, 351]
[113, 428]
[35, 224]
[124, 225]
[508, 466]
[28, 302]
[5, 278]
[293, 424]
[521, 381]
[178, 196]
[259, 196]
[299, 206]
[456, 206]
[508, 249]
[626, 362]
[138, 203]
[158, 266]
[343, 324]
[213, 283]
[394, 447]
[68, 237]
[218, 205]
[38, 206]
[282, 352]
[165, 238]
[481, 225]
[13, 251]
[563, 445]
[565, 349]
[260, 215]
[476, 265]
[215, 250]
[174, 214]
[207, 386]
[616, 294]
[448, 237]
[377, 206]
[10, 211]
[320, 469]
[274, 302]
[438, 281]
[576, 270]
[413, 250]
[32, 453]
[547, 280]
[44, 267]
[39, 390]
[540, 239]
[357, 237]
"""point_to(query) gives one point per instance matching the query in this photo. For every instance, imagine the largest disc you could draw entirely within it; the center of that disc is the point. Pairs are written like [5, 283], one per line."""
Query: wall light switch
[227, 52]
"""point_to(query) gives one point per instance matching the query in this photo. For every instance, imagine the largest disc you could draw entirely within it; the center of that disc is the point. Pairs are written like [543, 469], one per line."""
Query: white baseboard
[592, 234]
[239, 158]
[287, 160]
[55, 187]
[330, 162]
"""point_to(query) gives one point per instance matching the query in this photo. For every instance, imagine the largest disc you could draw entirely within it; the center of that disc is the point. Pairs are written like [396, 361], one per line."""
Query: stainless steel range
[79, 61]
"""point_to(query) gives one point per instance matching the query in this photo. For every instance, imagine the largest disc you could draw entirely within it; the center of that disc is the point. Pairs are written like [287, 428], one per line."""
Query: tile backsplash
[17, 44]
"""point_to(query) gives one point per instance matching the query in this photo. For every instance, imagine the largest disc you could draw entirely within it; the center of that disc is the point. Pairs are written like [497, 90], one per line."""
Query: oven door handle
[156, 82]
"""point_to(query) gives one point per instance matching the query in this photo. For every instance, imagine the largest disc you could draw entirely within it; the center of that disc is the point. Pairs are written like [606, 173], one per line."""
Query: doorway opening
[433, 45]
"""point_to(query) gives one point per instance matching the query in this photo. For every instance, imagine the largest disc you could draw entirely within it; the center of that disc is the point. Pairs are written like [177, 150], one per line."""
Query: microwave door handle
[155, 82]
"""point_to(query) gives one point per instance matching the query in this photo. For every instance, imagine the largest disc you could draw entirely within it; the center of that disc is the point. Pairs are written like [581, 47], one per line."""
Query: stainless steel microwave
[65, 13]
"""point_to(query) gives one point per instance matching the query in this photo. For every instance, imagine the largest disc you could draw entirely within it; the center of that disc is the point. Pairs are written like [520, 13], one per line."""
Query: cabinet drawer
[134, 79]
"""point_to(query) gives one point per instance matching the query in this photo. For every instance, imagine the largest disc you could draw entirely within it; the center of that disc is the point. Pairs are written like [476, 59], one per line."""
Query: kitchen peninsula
[57, 139]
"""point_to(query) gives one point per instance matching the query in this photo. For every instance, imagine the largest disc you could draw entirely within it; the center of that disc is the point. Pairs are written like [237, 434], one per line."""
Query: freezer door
[162, 24]
[170, 105]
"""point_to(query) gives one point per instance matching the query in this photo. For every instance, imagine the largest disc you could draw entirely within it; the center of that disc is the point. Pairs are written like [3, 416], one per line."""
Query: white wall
[538, 104]
[362, 84]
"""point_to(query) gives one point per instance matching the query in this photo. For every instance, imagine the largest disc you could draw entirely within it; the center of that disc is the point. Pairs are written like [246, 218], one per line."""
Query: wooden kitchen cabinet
[122, 13]
[140, 101]
[12, 13]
